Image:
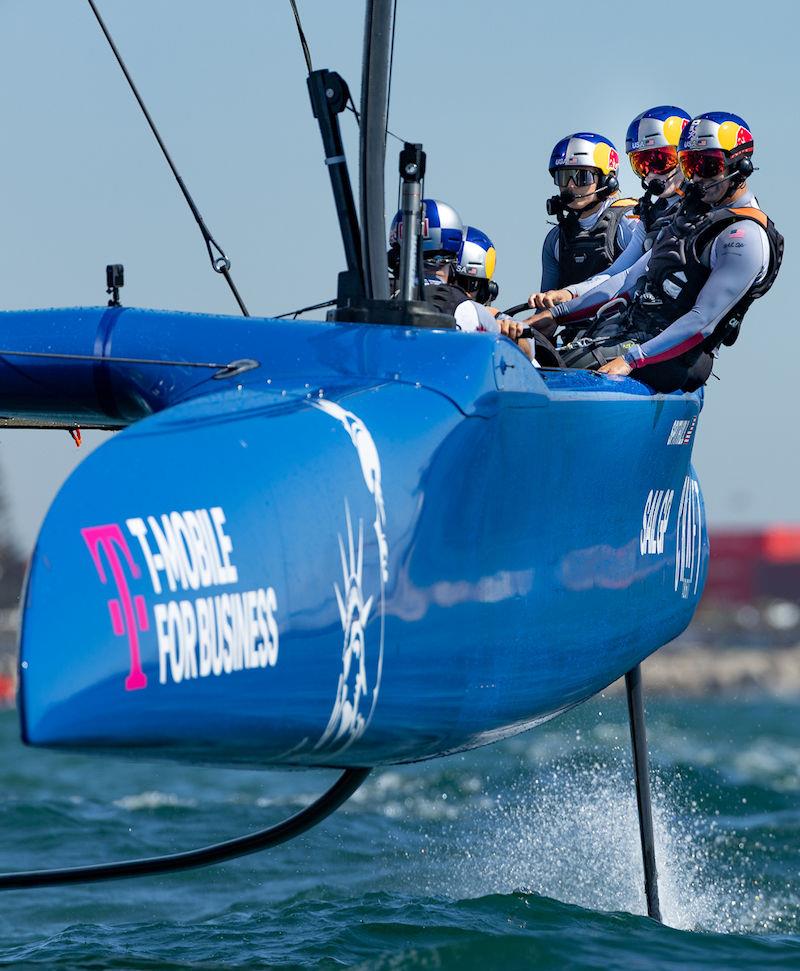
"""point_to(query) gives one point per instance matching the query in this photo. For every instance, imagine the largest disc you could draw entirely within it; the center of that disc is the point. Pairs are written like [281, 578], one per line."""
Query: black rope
[303, 41]
[264, 839]
[219, 261]
[314, 306]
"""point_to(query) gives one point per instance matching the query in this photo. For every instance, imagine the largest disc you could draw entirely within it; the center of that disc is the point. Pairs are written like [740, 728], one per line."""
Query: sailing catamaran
[299, 548]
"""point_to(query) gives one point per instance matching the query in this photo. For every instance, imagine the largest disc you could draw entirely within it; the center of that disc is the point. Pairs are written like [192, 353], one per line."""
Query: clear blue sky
[488, 89]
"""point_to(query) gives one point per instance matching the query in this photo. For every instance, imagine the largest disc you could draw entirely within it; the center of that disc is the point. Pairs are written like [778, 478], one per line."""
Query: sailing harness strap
[219, 261]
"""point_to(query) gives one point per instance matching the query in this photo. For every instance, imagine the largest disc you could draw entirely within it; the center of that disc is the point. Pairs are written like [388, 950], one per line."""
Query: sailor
[594, 225]
[651, 143]
[688, 295]
[470, 287]
[458, 263]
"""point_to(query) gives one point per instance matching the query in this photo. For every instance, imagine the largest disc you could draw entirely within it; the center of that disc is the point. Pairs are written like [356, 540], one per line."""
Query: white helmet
[475, 265]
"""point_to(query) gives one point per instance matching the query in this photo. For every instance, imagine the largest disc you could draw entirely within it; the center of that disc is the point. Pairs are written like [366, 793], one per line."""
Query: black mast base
[396, 313]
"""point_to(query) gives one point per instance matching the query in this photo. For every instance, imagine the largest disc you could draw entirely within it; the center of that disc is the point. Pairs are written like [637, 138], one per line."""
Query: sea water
[522, 854]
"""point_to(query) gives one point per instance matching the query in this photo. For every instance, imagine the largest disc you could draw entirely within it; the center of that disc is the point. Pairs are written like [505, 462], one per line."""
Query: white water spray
[571, 833]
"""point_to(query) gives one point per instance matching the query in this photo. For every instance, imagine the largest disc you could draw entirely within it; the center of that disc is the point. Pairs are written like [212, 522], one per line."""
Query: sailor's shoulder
[551, 238]
[752, 213]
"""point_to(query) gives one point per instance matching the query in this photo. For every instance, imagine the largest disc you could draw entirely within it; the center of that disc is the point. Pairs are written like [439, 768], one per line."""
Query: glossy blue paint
[422, 542]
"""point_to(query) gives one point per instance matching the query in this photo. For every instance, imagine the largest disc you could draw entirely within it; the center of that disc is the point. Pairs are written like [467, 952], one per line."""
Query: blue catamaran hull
[379, 545]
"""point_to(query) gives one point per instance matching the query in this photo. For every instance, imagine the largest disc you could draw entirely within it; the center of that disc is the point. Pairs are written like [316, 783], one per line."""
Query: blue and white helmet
[719, 130]
[442, 229]
[585, 149]
[477, 256]
[658, 127]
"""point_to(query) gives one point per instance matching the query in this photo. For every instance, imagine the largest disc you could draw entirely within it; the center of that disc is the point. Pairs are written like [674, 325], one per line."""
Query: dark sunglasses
[580, 177]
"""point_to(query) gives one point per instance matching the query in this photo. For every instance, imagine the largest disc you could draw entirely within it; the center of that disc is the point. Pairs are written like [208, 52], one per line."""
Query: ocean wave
[383, 931]
[153, 800]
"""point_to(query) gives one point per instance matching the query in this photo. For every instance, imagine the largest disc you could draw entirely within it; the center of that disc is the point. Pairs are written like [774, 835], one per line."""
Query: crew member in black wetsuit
[594, 223]
[687, 295]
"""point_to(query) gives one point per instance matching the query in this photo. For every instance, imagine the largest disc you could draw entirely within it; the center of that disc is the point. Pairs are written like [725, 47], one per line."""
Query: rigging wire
[303, 41]
[391, 66]
[219, 261]
[230, 369]
[309, 65]
[294, 314]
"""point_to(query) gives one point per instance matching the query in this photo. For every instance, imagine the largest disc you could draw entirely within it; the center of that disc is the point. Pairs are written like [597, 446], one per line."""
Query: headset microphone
[555, 204]
[743, 169]
[656, 187]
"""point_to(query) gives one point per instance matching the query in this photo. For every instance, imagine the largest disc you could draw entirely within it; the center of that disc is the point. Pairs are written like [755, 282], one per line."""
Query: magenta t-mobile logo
[128, 614]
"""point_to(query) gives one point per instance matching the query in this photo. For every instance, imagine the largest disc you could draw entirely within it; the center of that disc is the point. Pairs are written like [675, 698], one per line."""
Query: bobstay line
[216, 635]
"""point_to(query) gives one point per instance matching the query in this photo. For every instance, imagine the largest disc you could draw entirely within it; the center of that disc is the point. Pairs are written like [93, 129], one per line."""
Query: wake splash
[571, 833]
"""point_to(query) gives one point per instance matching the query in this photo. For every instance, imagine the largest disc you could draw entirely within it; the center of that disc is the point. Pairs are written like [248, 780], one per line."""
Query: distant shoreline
[685, 670]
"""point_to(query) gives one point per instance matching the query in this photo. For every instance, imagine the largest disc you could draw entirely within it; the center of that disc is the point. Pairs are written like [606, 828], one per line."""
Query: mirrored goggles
[657, 161]
[708, 164]
[578, 176]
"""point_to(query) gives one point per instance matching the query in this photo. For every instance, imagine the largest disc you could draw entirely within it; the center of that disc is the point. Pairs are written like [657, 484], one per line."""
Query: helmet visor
[580, 177]
[657, 161]
[708, 164]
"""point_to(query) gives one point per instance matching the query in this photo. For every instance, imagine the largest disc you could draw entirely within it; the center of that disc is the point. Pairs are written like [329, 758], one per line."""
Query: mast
[372, 144]
[363, 295]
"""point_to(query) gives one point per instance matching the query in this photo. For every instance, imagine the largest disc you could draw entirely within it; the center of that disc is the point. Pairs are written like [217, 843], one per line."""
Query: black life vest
[445, 296]
[654, 216]
[680, 265]
[584, 252]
